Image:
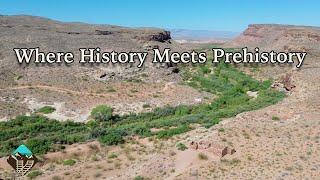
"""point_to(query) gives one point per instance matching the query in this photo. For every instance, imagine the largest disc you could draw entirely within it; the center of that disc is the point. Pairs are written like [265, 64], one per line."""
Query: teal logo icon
[22, 160]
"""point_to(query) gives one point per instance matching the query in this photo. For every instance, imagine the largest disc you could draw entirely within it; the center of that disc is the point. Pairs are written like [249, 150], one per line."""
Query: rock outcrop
[160, 36]
[212, 148]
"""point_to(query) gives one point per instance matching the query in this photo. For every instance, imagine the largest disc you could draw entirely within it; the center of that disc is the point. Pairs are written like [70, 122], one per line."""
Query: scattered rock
[149, 47]
[100, 32]
[252, 94]
[103, 75]
[175, 70]
[284, 84]
[161, 36]
[214, 149]
[286, 81]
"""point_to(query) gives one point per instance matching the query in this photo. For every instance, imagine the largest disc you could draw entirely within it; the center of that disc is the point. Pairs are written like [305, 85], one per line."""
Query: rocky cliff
[279, 37]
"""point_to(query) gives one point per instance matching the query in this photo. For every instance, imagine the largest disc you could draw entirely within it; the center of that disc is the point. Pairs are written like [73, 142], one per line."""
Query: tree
[102, 113]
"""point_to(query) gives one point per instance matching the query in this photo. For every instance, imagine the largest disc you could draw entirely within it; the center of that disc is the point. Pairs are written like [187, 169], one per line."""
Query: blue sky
[186, 14]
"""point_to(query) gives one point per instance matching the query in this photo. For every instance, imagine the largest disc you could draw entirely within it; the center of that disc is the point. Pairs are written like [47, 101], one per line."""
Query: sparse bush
[17, 78]
[231, 162]
[205, 69]
[117, 165]
[110, 89]
[56, 178]
[34, 174]
[94, 158]
[139, 178]
[181, 146]
[97, 175]
[146, 106]
[46, 110]
[275, 118]
[113, 155]
[172, 153]
[69, 162]
[202, 156]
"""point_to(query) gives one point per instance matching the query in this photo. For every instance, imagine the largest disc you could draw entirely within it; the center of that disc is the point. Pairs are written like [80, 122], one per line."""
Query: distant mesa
[202, 36]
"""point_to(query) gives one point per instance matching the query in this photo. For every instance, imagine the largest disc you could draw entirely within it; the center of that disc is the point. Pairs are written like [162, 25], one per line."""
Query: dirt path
[57, 89]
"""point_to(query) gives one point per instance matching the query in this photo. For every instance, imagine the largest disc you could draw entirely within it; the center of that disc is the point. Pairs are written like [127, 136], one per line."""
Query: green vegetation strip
[42, 135]
[46, 110]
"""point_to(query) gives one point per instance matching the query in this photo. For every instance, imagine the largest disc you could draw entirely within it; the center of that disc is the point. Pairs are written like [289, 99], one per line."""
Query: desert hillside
[159, 122]
[25, 88]
[279, 37]
[49, 35]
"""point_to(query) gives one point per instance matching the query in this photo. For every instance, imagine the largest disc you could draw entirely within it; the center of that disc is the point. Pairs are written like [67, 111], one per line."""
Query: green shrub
[205, 69]
[165, 111]
[39, 145]
[171, 132]
[211, 123]
[17, 78]
[69, 162]
[139, 178]
[46, 110]
[142, 130]
[102, 113]
[113, 155]
[182, 110]
[181, 146]
[34, 174]
[92, 124]
[275, 118]
[191, 118]
[98, 132]
[146, 106]
[110, 89]
[113, 137]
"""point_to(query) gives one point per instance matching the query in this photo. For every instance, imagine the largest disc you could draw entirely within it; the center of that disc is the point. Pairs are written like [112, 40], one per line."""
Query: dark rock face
[161, 36]
[99, 32]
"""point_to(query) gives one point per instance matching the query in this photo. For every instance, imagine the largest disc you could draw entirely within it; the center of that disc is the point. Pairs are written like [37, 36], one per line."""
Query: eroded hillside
[279, 37]
[25, 88]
